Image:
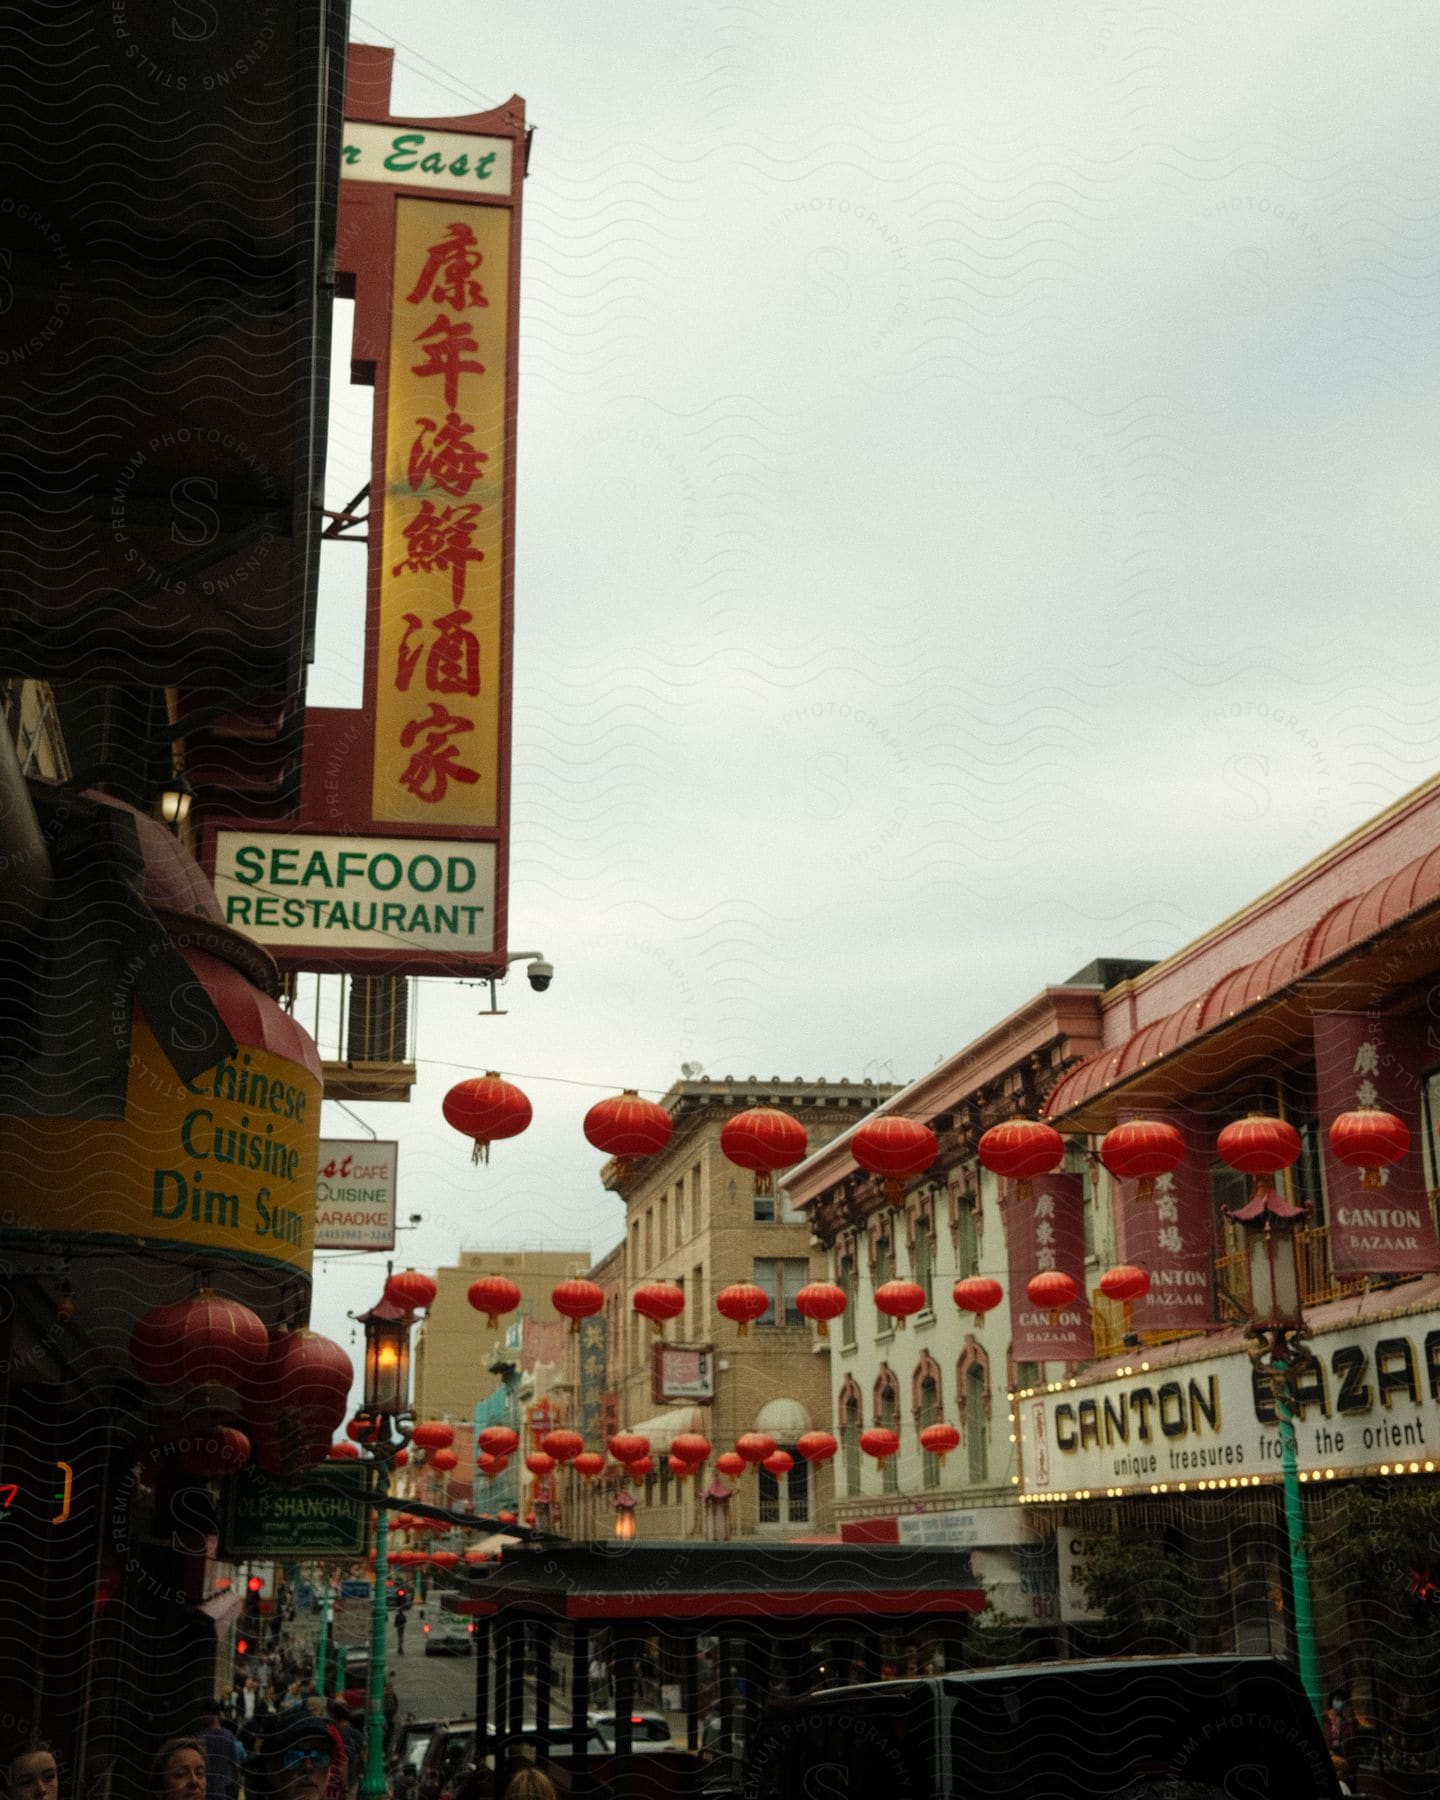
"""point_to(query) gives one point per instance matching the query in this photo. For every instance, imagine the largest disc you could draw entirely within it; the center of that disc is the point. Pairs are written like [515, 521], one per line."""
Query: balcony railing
[1318, 1283]
[364, 1027]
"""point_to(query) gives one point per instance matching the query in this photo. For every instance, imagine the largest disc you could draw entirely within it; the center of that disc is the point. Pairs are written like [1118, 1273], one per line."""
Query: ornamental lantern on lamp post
[1276, 1332]
[386, 1424]
[625, 1515]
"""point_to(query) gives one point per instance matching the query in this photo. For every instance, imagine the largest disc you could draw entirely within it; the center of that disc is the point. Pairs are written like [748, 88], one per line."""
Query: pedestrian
[392, 1709]
[179, 1770]
[249, 1697]
[599, 1679]
[530, 1783]
[402, 1619]
[350, 1740]
[32, 1771]
[224, 1754]
[295, 1757]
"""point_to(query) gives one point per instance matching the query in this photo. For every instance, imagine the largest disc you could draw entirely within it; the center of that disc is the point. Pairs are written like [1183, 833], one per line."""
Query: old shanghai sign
[323, 1517]
[1371, 1402]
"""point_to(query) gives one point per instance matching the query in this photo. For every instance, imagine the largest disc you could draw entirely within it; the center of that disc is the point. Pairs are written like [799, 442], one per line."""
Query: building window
[1027, 1374]
[697, 1301]
[849, 1286]
[781, 1279]
[786, 1502]
[887, 1413]
[929, 1415]
[649, 1239]
[850, 1432]
[662, 1233]
[968, 1246]
[776, 1207]
[920, 1261]
[884, 1271]
[681, 1234]
[977, 1426]
[697, 1203]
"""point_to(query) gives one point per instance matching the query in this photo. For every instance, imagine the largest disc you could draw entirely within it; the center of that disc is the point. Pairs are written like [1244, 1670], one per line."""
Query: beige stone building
[693, 1218]
[455, 1347]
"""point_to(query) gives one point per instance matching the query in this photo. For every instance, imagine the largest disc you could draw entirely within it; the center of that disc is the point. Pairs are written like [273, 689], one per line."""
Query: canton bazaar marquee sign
[1371, 1400]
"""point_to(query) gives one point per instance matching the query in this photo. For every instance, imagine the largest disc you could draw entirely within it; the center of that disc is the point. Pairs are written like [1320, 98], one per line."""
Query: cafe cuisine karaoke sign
[1370, 1403]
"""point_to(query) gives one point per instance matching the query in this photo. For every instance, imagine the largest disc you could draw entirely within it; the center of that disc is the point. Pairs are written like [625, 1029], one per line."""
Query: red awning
[252, 1018]
[1351, 922]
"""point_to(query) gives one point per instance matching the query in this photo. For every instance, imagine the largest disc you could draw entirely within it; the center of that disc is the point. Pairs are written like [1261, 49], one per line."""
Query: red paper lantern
[1141, 1149]
[1369, 1140]
[493, 1295]
[691, 1448]
[898, 1299]
[939, 1440]
[363, 1431]
[214, 1451]
[443, 1460]
[539, 1463]
[401, 1459]
[1124, 1283]
[499, 1464]
[899, 1149]
[301, 1379]
[742, 1303]
[817, 1446]
[880, 1442]
[1020, 1149]
[577, 1300]
[506, 1518]
[199, 1342]
[641, 1467]
[445, 1559]
[731, 1463]
[779, 1464]
[1052, 1290]
[977, 1294]
[485, 1462]
[411, 1290]
[628, 1447]
[343, 1452]
[588, 1463]
[658, 1301]
[820, 1301]
[433, 1434]
[628, 1129]
[475, 1556]
[1260, 1147]
[764, 1140]
[499, 1440]
[487, 1108]
[564, 1446]
[678, 1467]
[755, 1446]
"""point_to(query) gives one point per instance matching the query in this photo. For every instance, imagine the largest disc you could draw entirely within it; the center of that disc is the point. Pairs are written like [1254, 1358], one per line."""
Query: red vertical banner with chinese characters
[437, 698]
[1361, 1061]
[1043, 1233]
[1170, 1237]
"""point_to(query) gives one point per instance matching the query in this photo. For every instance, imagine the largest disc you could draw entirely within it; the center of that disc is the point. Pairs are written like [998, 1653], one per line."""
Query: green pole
[373, 1786]
[322, 1655]
[1305, 1650]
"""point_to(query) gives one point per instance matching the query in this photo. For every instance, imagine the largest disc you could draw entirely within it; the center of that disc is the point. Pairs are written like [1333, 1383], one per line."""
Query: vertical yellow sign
[437, 705]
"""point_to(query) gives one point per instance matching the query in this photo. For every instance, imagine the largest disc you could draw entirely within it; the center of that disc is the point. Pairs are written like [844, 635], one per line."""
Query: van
[1138, 1728]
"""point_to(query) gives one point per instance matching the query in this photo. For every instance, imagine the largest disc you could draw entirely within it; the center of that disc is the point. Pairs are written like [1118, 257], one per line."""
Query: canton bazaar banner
[1365, 1061]
[1171, 1237]
[437, 703]
[1371, 1401]
[1047, 1232]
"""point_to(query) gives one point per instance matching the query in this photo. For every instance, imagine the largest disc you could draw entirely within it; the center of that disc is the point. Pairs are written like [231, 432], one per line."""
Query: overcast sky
[977, 513]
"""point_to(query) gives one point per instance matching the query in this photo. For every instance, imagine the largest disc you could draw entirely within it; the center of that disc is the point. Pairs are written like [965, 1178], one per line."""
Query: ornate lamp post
[625, 1515]
[1277, 1331]
[386, 1423]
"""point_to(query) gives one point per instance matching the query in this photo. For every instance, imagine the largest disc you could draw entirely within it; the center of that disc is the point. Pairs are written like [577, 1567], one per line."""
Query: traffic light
[255, 1583]
[242, 1646]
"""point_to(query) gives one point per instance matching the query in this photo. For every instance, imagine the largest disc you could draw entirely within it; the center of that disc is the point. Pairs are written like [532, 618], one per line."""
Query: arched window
[972, 1397]
[920, 1226]
[926, 1405]
[786, 1502]
[850, 1427]
[849, 1285]
[887, 1412]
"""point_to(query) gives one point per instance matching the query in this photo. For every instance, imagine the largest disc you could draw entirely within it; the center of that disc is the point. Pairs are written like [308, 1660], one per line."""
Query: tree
[1145, 1590]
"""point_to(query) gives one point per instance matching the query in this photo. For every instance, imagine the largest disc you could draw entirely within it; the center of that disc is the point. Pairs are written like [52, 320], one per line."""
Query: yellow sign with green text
[224, 1164]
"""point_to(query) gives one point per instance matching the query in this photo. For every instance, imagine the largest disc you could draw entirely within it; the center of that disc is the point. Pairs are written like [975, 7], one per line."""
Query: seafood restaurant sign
[1369, 1404]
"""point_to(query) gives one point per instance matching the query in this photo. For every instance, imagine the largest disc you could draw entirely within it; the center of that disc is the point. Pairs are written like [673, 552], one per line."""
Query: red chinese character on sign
[446, 347]
[454, 260]
[437, 761]
[453, 666]
[450, 460]
[441, 540]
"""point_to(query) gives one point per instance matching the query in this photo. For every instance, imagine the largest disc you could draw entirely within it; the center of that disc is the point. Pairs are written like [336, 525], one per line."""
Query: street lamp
[386, 1426]
[172, 803]
[1276, 1331]
[625, 1515]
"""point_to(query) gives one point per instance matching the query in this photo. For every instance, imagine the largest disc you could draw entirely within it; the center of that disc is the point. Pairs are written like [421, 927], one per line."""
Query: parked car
[450, 1755]
[648, 1730]
[411, 1741]
[1137, 1728]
